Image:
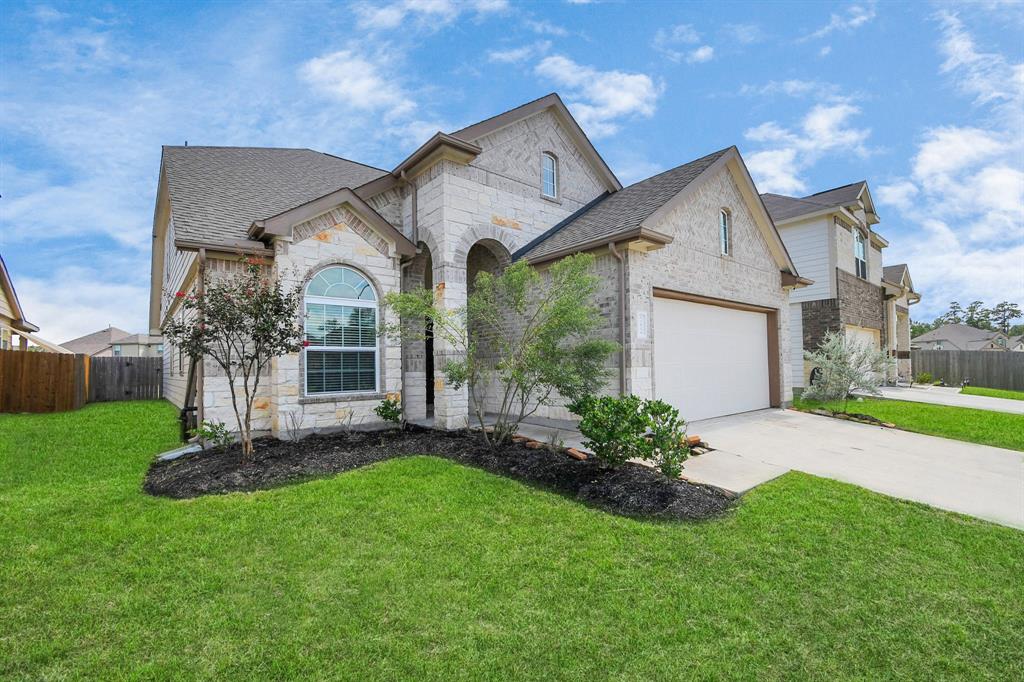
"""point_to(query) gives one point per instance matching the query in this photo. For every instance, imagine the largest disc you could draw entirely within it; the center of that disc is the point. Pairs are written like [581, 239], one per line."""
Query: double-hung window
[341, 333]
[725, 232]
[859, 257]
[549, 175]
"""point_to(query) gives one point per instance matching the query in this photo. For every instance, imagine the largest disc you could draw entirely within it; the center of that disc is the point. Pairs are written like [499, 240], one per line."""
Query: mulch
[630, 490]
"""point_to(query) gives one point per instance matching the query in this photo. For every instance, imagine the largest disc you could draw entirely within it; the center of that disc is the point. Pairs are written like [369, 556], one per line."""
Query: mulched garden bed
[630, 490]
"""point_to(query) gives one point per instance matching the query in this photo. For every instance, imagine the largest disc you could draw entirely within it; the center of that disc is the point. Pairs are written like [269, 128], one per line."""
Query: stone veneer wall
[335, 238]
[693, 264]
[859, 303]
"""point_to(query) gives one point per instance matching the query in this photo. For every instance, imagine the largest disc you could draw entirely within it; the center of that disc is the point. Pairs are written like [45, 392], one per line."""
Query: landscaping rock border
[630, 490]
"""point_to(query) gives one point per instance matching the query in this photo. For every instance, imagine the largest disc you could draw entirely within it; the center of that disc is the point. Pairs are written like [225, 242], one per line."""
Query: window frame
[116, 350]
[725, 231]
[554, 175]
[352, 303]
[860, 263]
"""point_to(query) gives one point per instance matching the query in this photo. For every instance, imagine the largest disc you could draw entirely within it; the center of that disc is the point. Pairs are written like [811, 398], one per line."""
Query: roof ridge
[507, 111]
[832, 189]
[656, 175]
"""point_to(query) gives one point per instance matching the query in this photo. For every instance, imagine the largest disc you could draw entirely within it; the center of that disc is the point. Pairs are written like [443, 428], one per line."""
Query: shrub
[390, 410]
[845, 366]
[213, 432]
[242, 321]
[620, 429]
[924, 378]
[528, 337]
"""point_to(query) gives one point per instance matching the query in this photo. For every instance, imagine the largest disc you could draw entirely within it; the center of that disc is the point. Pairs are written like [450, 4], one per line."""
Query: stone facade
[860, 302]
[494, 203]
[693, 264]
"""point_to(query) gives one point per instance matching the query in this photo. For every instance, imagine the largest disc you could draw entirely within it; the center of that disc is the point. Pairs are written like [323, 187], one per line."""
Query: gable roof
[216, 193]
[962, 336]
[553, 102]
[619, 214]
[784, 207]
[7, 287]
[894, 273]
[96, 341]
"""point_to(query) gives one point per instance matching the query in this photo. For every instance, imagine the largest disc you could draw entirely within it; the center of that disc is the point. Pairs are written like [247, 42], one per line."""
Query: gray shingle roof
[781, 207]
[217, 192]
[959, 336]
[894, 273]
[95, 342]
[616, 213]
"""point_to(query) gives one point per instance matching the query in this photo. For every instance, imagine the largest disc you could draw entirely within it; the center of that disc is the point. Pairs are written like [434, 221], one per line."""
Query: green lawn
[993, 392]
[1000, 429]
[423, 569]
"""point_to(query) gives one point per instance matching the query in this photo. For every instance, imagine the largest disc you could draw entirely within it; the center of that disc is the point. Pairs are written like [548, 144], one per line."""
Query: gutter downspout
[622, 316]
[201, 285]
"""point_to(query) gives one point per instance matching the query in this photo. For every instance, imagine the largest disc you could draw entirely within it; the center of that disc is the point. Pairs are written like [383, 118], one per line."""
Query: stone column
[451, 405]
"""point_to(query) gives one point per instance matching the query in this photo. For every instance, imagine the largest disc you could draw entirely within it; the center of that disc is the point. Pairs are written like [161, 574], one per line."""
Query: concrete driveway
[757, 446]
[942, 395]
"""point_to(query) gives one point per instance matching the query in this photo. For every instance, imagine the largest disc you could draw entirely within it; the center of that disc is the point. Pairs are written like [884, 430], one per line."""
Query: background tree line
[976, 315]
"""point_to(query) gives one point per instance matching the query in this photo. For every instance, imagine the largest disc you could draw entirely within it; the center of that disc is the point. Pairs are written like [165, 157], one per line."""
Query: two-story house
[830, 237]
[695, 279]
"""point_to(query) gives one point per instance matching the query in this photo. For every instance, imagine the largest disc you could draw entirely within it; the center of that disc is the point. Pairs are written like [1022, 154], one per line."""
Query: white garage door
[710, 361]
[862, 335]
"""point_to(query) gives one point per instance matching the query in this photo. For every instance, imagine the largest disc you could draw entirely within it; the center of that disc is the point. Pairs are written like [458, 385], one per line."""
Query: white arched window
[341, 333]
[725, 231]
[549, 175]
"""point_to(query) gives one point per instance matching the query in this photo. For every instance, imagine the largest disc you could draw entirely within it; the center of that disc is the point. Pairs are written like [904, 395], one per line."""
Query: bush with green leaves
[213, 433]
[617, 429]
[924, 378]
[845, 365]
[528, 337]
[390, 410]
[242, 321]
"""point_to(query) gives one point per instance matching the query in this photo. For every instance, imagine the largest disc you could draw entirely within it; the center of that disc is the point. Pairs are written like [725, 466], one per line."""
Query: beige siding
[6, 309]
[808, 246]
[176, 266]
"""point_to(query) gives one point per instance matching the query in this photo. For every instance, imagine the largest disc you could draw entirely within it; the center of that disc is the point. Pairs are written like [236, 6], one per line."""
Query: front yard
[993, 392]
[999, 429]
[423, 568]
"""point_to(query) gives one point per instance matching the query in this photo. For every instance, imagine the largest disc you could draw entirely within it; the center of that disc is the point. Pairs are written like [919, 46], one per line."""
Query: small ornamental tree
[241, 321]
[846, 366]
[526, 336]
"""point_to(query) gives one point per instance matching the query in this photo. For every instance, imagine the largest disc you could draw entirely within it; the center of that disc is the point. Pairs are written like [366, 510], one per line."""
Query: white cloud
[962, 202]
[899, 194]
[545, 28]
[46, 14]
[744, 34]
[704, 53]
[675, 42]
[793, 87]
[789, 152]
[425, 13]
[600, 99]
[82, 303]
[518, 55]
[856, 15]
[825, 51]
[357, 82]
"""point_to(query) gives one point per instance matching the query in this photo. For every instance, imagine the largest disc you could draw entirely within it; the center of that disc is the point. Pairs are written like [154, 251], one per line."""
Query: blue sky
[925, 101]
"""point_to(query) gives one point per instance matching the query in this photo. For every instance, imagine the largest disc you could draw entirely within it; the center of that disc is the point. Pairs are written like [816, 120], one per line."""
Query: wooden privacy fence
[125, 378]
[42, 382]
[57, 382]
[991, 369]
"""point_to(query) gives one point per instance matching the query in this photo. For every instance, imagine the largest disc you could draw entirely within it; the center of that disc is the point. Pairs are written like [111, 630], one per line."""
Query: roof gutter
[636, 234]
[791, 281]
[244, 247]
[622, 315]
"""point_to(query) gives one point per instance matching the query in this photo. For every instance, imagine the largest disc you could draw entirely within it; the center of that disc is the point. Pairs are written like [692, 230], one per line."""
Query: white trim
[554, 173]
[725, 231]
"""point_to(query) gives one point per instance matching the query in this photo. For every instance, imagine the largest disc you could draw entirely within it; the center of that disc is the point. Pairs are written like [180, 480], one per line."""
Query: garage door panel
[709, 360]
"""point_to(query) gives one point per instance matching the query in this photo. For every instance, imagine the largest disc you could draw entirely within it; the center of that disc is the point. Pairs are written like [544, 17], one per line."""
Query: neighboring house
[695, 279]
[1016, 343]
[963, 337]
[899, 296]
[15, 331]
[114, 342]
[830, 238]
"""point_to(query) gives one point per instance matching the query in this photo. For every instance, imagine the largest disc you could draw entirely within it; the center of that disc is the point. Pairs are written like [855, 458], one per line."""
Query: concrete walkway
[942, 395]
[755, 447]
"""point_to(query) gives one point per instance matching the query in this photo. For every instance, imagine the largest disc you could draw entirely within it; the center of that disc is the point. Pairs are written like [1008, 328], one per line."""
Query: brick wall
[860, 302]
